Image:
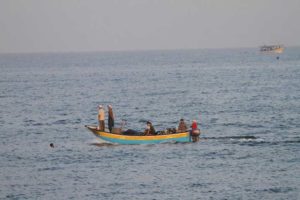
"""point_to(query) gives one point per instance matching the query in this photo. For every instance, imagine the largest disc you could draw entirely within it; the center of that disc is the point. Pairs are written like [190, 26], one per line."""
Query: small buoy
[52, 145]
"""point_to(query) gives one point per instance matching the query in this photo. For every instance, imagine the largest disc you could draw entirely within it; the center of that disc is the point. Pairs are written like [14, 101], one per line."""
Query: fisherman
[111, 118]
[194, 125]
[195, 131]
[149, 129]
[101, 117]
[182, 126]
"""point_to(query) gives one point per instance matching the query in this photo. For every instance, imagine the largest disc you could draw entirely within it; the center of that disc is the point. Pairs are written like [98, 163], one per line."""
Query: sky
[120, 25]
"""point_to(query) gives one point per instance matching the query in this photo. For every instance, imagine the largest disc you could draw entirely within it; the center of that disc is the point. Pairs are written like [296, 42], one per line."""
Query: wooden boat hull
[129, 139]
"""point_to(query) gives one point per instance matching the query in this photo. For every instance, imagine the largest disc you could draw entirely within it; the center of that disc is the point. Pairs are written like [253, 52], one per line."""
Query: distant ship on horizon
[272, 49]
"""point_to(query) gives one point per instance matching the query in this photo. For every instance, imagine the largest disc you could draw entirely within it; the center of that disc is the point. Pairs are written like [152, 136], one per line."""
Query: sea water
[247, 105]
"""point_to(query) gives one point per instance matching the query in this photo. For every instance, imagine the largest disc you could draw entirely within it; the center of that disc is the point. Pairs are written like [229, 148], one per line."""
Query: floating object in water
[51, 145]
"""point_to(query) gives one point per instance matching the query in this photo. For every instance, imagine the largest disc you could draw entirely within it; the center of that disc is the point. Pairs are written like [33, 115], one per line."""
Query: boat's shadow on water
[104, 144]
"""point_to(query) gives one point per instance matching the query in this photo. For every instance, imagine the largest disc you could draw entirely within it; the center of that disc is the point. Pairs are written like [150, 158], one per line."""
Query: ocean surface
[247, 105]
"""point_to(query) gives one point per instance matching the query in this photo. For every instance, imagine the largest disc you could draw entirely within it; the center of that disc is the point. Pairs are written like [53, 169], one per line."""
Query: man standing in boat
[111, 119]
[101, 117]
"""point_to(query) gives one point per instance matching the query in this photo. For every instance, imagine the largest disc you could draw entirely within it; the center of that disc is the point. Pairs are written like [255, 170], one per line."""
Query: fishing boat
[139, 139]
[272, 49]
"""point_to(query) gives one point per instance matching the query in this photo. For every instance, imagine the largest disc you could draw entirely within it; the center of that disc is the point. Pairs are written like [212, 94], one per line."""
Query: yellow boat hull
[132, 139]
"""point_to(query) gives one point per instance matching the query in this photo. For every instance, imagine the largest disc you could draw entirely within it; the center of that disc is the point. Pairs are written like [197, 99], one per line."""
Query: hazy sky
[100, 25]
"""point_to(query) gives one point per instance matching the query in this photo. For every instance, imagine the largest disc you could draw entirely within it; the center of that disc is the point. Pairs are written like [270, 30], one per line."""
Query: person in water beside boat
[149, 129]
[195, 132]
[111, 118]
[101, 118]
[182, 127]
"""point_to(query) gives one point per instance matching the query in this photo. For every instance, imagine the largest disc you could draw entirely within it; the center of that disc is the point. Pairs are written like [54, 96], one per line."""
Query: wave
[247, 137]
[254, 141]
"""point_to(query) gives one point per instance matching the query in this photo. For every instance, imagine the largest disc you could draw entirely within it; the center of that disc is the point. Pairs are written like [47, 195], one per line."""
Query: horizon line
[133, 50]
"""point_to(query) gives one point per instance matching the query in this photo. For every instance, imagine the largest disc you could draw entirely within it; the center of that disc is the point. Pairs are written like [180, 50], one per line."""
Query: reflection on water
[103, 144]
